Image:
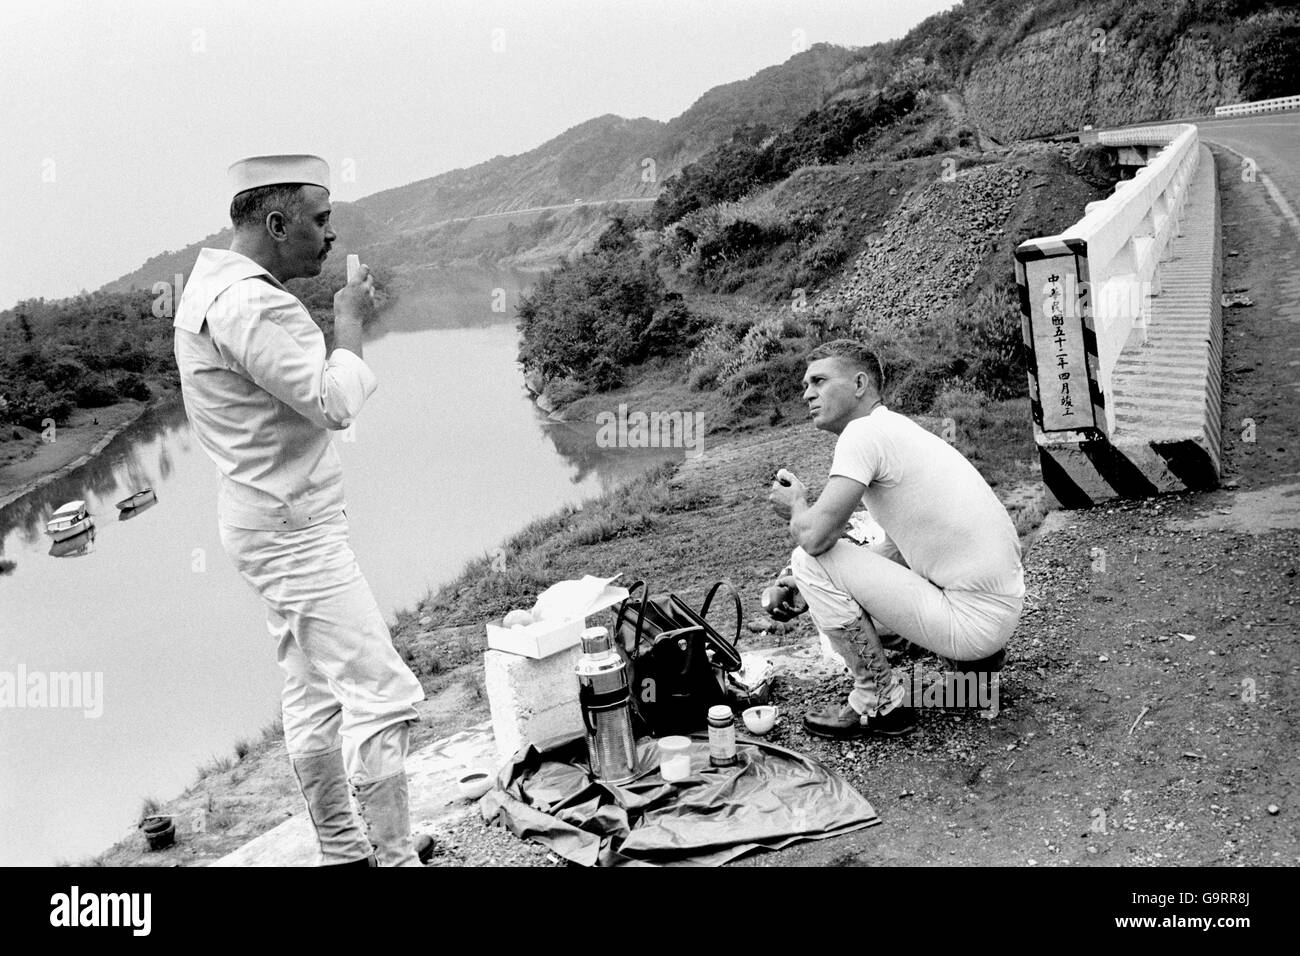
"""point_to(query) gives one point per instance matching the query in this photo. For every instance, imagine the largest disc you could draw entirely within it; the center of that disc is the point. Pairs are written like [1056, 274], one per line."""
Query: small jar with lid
[722, 736]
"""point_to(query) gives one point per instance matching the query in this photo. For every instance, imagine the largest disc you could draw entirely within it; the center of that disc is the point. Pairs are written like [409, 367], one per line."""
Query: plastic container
[722, 736]
[674, 758]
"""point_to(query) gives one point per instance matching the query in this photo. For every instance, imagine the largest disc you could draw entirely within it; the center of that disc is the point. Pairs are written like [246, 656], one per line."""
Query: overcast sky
[118, 119]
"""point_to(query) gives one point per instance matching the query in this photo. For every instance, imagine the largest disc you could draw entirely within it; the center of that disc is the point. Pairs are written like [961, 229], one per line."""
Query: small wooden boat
[136, 500]
[70, 520]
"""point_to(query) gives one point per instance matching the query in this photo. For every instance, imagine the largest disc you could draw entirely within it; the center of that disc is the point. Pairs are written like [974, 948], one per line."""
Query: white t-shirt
[937, 509]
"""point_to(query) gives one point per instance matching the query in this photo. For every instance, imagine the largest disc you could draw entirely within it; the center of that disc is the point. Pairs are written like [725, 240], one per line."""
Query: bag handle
[735, 597]
[640, 617]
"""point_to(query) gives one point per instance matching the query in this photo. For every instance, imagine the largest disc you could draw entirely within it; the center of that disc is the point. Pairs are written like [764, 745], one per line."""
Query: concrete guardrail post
[1089, 297]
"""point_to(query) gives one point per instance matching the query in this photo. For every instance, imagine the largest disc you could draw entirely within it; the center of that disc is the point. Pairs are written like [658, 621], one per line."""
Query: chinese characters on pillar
[1056, 311]
[1056, 323]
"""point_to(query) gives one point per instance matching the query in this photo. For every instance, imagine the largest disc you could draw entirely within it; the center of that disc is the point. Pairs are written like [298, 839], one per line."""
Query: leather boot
[845, 723]
[324, 786]
[385, 806]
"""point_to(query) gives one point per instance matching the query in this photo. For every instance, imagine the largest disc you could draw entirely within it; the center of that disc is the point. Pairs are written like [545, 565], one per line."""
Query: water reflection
[453, 299]
[75, 546]
[138, 456]
[576, 443]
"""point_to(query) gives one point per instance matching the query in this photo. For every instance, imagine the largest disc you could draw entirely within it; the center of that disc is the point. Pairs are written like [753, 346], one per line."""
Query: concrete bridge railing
[1111, 260]
[1088, 298]
[1258, 106]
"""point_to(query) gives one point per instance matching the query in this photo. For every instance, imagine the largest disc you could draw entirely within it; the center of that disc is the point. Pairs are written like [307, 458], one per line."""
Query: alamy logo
[75, 908]
[653, 430]
[954, 690]
[64, 690]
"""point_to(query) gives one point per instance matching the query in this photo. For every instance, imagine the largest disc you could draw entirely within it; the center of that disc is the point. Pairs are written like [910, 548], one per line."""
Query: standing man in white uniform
[946, 575]
[263, 398]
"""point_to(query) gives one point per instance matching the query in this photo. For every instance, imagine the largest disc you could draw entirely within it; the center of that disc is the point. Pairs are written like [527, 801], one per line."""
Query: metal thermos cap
[595, 640]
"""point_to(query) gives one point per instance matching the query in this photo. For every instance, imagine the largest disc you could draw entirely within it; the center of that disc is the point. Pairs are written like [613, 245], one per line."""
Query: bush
[66, 374]
[32, 402]
[823, 256]
[590, 319]
[96, 392]
[711, 356]
[993, 340]
[672, 327]
[131, 385]
[915, 389]
[1270, 57]
[562, 391]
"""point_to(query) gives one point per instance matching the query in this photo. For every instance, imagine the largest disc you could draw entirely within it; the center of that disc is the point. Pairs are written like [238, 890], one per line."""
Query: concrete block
[532, 700]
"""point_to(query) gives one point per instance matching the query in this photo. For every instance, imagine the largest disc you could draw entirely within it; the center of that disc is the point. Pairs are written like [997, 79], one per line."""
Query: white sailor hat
[256, 171]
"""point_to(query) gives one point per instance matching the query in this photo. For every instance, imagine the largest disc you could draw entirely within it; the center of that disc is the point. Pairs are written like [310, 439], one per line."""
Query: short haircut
[252, 206]
[855, 354]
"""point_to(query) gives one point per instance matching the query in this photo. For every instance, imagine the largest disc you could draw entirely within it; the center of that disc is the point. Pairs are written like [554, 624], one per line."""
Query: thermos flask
[605, 697]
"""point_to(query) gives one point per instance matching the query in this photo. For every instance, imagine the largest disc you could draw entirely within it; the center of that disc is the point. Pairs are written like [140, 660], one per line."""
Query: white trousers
[344, 684]
[841, 584]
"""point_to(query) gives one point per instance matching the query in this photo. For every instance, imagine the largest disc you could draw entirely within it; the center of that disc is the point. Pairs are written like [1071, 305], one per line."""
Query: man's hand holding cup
[356, 300]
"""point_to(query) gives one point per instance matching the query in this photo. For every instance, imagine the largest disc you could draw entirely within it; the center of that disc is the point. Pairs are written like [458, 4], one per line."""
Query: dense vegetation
[89, 351]
[583, 324]
[756, 156]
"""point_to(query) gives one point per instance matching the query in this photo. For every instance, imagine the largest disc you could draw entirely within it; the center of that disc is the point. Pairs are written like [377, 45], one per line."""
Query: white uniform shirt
[261, 395]
[936, 508]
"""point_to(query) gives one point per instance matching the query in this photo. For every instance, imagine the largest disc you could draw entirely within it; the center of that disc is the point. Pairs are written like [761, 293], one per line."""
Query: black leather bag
[678, 661]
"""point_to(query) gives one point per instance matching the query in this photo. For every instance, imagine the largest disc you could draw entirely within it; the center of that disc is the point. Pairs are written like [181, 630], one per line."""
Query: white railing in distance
[1258, 106]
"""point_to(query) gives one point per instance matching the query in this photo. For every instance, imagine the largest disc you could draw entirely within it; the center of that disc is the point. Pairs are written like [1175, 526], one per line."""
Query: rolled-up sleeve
[349, 382]
[275, 344]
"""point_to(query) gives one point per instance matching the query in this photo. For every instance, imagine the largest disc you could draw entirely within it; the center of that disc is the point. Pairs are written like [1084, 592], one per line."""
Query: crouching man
[947, 573]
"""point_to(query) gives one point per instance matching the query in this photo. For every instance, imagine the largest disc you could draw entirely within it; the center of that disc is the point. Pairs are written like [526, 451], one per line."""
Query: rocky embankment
[956, 235]
[1075, 74]
[933, 249]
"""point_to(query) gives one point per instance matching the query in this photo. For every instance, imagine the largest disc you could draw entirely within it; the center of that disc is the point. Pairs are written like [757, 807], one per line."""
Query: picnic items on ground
[722, 736]
[771, 798]
[603, 694]
[679, 662]
[569, 702]
[558, 617]
[760, 720]
[529, 670]
[674, 758]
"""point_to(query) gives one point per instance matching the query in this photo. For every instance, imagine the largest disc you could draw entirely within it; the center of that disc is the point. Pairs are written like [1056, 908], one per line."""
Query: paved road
[566, 205]
[1273, 143]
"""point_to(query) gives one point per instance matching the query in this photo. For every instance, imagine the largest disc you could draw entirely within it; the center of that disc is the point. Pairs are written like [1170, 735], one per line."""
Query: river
[448, 458]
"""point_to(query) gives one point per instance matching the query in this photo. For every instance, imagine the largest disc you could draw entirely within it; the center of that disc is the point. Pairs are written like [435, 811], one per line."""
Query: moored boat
[70, 520]
[136, 500]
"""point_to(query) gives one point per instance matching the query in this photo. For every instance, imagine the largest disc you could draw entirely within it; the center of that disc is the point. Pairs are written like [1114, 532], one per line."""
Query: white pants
[344, 683]
[840, 584]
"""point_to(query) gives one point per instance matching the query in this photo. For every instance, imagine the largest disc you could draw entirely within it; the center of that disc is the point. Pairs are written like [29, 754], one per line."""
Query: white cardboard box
[536, 640]
[545, 638]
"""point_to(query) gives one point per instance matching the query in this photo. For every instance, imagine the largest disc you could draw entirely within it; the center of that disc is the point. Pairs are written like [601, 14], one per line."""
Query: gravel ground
[467, 841]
